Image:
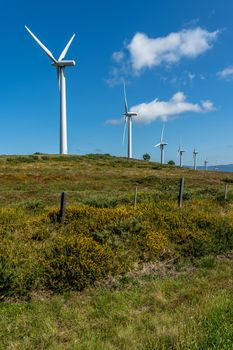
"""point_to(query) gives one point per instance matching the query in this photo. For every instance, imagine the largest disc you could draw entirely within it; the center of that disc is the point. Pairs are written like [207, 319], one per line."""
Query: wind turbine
[60, 64]
[206, 164]
[128, 120]
[195, 153]
[180, 154]
[162, 144]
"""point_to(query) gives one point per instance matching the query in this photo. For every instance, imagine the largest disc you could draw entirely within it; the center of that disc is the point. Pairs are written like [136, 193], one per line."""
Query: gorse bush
[21, 268]
[37, 252]
[76, 261]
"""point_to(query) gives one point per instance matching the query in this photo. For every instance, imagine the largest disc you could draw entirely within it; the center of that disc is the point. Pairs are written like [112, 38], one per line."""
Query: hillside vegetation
[106, 240]
[103, 232]
[101, 180]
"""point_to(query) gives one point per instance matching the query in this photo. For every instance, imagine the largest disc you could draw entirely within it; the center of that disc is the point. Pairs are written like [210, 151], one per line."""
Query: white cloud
[148, 52]
[118, 56]
[119, 70]
[148, 112]
[226, 73]
[208, 106]
[114, 121]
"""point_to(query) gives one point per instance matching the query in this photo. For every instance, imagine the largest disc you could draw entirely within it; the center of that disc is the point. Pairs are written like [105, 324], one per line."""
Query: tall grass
[190, 310]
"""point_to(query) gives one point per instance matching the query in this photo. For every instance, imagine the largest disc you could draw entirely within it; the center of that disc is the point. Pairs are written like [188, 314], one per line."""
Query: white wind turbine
[180, 154]
[60, 64]
[128, 120]
[195, 153]
[162, 145]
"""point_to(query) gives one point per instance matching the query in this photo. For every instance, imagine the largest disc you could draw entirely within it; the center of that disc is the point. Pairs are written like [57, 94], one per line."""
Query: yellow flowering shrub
[36, 251]
[21, 268]
[156, 242]
[10, 220]
[75, 262]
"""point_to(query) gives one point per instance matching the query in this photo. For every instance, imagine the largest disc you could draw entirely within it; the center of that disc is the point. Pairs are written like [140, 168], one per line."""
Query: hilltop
[102, 180]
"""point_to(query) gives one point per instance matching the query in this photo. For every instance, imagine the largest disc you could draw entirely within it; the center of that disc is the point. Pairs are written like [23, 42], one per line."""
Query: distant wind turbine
[180, 154]
[128, 120]
[162, 145]
[60, 64]
[206, 164]
[195, 153]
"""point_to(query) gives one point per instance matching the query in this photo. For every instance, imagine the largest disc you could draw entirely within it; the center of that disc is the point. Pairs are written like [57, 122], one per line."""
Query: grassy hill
[98, 177]
[114, 276]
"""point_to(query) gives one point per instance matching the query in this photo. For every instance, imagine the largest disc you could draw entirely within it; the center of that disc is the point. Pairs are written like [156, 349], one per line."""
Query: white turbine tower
[60, 64]
[128, 120]
[180, 154]
[195, 153]
[162, 145]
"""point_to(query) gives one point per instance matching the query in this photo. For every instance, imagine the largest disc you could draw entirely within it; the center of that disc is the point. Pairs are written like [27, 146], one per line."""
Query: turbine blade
[161, 140]
[49, 53]
[123, 139]
[158, 144]
[64, 52]
[125, 97]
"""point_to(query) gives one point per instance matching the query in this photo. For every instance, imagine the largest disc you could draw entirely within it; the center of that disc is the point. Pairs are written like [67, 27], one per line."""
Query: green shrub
[34, 205]
[21, 159]
[107, 202]
[146, 156]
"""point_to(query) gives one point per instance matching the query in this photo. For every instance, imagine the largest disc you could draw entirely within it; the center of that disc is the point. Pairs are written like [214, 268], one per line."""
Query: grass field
[187, 309]
[114, 276]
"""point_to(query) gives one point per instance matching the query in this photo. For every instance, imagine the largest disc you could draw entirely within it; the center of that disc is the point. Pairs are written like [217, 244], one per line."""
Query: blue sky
[189, 72]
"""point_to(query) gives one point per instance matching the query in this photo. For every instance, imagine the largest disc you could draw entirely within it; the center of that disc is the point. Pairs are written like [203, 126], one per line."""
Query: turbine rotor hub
[70, 63]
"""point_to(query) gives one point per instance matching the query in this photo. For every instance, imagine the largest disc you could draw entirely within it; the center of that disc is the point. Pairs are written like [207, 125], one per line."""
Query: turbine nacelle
[161, 144]
[66, 63]
[130, 114]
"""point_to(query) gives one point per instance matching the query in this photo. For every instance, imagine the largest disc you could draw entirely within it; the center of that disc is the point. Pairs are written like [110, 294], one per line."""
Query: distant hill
[227, 168]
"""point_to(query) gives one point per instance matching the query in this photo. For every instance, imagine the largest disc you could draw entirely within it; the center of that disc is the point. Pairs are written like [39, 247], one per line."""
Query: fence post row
[62, 208]
[180, 199]
[181, 192]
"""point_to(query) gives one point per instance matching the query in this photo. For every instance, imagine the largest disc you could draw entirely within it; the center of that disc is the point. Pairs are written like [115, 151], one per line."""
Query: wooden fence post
[62, 208]
[181, 192]
[135, 197]
[226, 192]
